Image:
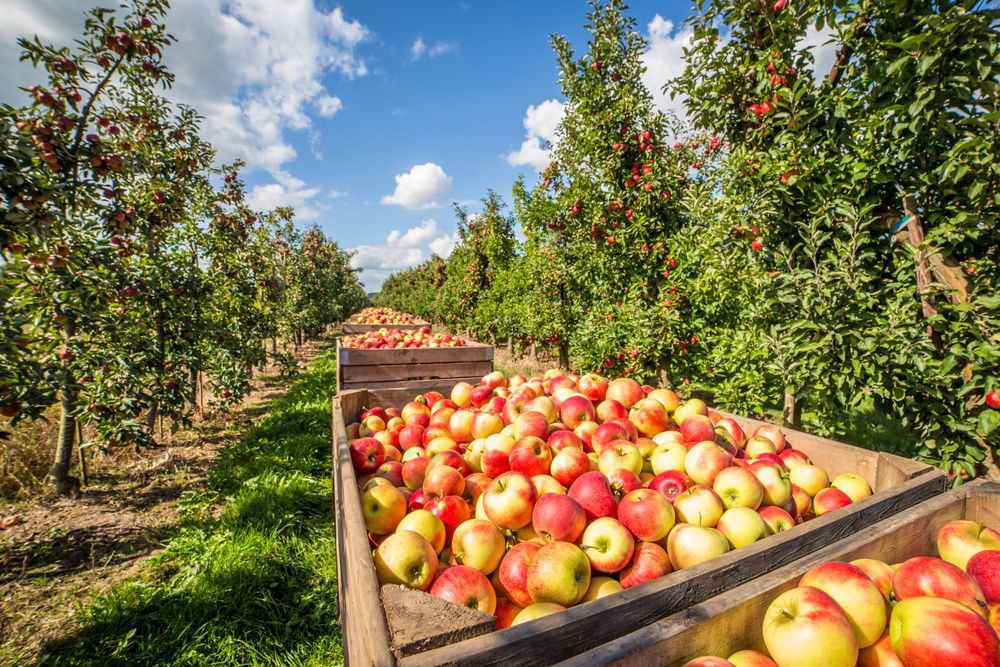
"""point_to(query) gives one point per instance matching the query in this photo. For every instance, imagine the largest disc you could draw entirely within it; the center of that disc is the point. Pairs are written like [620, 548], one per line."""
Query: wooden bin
[353, 328]
[417, 369]
[732, 621]
[898, 483]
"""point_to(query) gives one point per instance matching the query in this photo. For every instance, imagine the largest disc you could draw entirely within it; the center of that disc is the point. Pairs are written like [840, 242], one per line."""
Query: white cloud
[337, 194]
[420, 187]
[419, 48]
[822, 44]
[288, 191]
[540, 124]
[664, 60]
[328, 105]
[401, 250]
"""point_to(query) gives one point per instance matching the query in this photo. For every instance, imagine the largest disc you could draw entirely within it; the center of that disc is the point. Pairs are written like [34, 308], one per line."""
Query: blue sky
[370, 118]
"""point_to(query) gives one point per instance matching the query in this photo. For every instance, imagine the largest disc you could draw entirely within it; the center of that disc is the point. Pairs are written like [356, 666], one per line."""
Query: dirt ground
[64, 551]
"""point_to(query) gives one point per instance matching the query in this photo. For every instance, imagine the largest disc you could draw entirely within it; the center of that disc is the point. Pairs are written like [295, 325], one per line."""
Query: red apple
[443, 480]
[649, 561]
[857, 595]
[925, 575]
[531, 456]
[593, 386]
[467, 587]
[594, 494]
[558, 573]
[806, 627]
[452, 510]
[689, 545]
[647, 514]
[960, 540]
[794, 457]
[750, 658]
[575, 410]
[513, 571]
[984, 567]
[558, 518]
[698, 428]
[879, 654]
[671, 483]
[828, 500]
[624, 390]
[608, 544]
[405, 558]
[506, 612]
[649, 417]
[367, 454]
[777, 519]
[568, 465]
[931, 631]
[560, 440]
[509, 500]
[704, 461]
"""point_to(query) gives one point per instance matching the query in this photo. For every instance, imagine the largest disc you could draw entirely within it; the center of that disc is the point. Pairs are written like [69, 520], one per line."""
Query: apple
[539, 610]
[514, 407]
[960, 540]
[624, 390]
[585, 432]
[451, 459]
[699, 506]
[742, 526]
[649, 417]
[925, 575]
[668, 456]
[927, 631]
[568, 465]
[480, 396]
[738, 487]
[984, 567]
[461, 394]
[619, 454]
[558, 573]
[383, 507]
[494, 462]
[757, 445]
[441, 444]
[806, 627]
[794, 457]
[405, 558]
[531, 423]
[708, 661]
[777, 485]
[452, 510]
[506, 612]
[417, 500]
[426, 525]
[530, 456]
[670, 400]
[812, 479]
[544, 406]
[879, 654]
[391, 471]
[509, 500]
[750, 658]
[704, 461]
[600, 587]
[671, 483]
[692, 406]
[609, 410]
[558, 518]
[689, 545]
[698, 428]
[777, 519]
[443, 480]
[413, 453]
[593, 492]
[513, 571]
[371, 425]
[647, 514]
[608, 544]
[460, 426]
[547, 484]
[649, 561]
[485, 424]
[607, 433]
[879, 572]
[853, 484]
[478, 544]
[828, 500]
[560, 440]
[411, 436]
[801, 500]
[623, 481]
[575, 410]
[858, 596]
[465, 586]
[367, 454]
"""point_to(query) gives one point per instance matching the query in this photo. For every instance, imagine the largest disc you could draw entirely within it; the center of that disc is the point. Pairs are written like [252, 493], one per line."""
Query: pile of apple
[399, 338]
[524, 497]
[381, 317]
[926, 611]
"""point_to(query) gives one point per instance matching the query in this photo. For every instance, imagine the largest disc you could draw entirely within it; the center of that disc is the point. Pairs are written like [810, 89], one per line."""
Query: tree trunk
[792, 414]
[534, 352]
[916, 230]
[564, 355]
[510, 345]
[153, 250]
[59, 477]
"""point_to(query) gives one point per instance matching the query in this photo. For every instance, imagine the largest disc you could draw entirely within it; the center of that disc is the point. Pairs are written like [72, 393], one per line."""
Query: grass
[250, 577]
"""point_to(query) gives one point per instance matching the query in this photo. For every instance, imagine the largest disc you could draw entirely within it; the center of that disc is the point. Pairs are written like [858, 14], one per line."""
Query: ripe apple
[698, 428]
[742, 526]
[575, 410]
[777, 519]
[731, 427]
[485, 424]
[624, 390]
[668, 456]
[620, 454]
[465, 586]
[560, 440]
[441, 444]
[738, 487]
[879, 572]
[559, 572]
[392, 471]
[704, 461]
[568, 465]
[772, 433]
[478, 544]
[649, 561]
[539, 610]
[699, 506]
[451, 459]
[925, 575]
[558, 518]
[530, 456]
[426, 525]
[367, 454]
[879, 654]
[649, 417]
[461, 394]
[853, 484]
[509, 500]
[692, 406]
[593, 492]
[960, 540]
[689, 545]
[929, 631]
[708, 661]
[806, 627]
[506, 612]
[531, 423]
[750, 658]
[794, 457]
[383, 507]
[857, 595]
[828, 500]
[547, 484]
[802, 501]
[543, 405]
[608, 544]
[513, 571]
[670, 400]
[811, 478]
[607, 433]
[443, 480]
[647, 514]
[406, 558]
[452, 510]
[600, 587]
[984, 567]
[671, 483]
[593, 386]
[758, 445]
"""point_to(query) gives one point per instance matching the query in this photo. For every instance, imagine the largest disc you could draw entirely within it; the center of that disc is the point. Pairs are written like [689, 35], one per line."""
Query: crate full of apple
[371, 319]
[919, 589]
[568, 497]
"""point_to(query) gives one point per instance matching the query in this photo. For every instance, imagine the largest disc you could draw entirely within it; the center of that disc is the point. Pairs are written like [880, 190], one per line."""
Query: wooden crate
[417, 369]
[353, 328]
[732, 621]
[898, 483]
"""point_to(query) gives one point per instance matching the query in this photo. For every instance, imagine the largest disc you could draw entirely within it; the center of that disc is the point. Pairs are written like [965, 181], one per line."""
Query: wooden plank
[366, 636]
[413, 355]
[732, 620]
[354, 328]
[562, 635]
[426, 371]
[415, 387]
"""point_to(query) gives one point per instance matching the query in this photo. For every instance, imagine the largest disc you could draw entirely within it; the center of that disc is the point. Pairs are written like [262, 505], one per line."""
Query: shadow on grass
[254, 583]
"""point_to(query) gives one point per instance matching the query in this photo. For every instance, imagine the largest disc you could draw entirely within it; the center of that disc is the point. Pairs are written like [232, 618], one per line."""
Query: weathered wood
[419, 621]
[354, 328]
[417, 386]
[418, 369]
[899, 484]
[414, 355]
[366, 636]
[732, 621]
[385, 372]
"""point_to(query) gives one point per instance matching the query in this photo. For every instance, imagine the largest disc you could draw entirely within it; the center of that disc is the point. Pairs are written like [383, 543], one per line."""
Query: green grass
[252, 584]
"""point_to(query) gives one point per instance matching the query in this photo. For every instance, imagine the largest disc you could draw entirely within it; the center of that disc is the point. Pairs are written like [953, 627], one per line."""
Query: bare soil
[65, 551]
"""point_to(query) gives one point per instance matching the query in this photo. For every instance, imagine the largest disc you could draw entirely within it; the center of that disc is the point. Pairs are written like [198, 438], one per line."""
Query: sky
[370, 119]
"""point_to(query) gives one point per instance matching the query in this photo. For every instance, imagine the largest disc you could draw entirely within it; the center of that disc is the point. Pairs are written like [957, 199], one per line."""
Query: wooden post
[792, 414]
